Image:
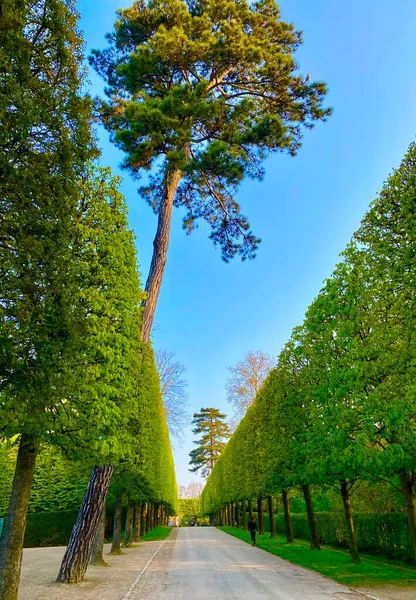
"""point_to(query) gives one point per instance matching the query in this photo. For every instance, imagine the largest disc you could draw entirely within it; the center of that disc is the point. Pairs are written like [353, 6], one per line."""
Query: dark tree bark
[407, 483]
[260, 513]
[243, 516]
[118, 515]
[148, 517]
[143, 511]
[250, 508]
[97, 558]
[160, 251]
[353, 542]
[271, 515]
[11, 547]
[128, 530]
[78, 552]
[155, 515]
[288, 520]
[237, 514]
[315, 545]
[137, 522]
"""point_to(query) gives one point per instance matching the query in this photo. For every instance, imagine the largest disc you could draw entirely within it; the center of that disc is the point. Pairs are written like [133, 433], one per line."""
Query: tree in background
[246, 380]
[174, 392]
[210, 422]
[201, 93]
[194, 490]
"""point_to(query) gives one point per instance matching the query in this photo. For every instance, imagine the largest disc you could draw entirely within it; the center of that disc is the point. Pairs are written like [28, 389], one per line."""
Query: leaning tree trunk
[315, 545]
[288, 520]
[118, 515]
[11, 548]
[353, 542]
[97, 558]
[160, 251]
[407, 483]
[271, 515]
[128, 531]
[75, 561]
[243, 515]
[260, 515]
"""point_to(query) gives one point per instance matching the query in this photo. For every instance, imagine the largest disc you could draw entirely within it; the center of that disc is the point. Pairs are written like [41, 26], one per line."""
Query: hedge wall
[49, 528]
[386, 534]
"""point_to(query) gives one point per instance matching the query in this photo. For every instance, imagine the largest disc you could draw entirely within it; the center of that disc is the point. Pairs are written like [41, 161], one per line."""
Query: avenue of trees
[339, 408]
[74, 371]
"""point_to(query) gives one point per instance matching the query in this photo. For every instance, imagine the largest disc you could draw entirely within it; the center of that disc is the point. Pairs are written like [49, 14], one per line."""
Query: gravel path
[193, 564]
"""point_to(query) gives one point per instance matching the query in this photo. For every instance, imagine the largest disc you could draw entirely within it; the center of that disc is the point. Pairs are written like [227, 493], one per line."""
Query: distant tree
[246, 380]
[202, 92]
[195, 489]
[174, 392]
[210, 422]
[182, 491]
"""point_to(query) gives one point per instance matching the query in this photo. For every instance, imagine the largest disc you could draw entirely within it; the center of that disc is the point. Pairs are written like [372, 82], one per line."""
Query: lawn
[333, 563]
[159, 533]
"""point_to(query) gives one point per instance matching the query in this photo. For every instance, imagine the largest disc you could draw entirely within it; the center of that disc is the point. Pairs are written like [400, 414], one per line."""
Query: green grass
[333, 563]
[159, 533]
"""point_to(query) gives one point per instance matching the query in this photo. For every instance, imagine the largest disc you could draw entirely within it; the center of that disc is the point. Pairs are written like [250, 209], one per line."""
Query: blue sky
[305, 211]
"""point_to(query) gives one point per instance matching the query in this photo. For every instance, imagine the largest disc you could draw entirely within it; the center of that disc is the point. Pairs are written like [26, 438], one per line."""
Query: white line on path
[140, 575]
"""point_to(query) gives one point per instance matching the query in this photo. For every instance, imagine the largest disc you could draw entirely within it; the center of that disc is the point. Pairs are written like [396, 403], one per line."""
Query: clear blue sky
[305, 211]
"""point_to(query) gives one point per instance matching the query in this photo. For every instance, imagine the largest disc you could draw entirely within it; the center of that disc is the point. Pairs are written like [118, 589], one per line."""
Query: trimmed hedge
[386, 534]
[49, 528]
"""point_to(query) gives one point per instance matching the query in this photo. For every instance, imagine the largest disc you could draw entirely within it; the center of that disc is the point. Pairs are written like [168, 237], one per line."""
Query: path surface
[207, 564]
[193, 564]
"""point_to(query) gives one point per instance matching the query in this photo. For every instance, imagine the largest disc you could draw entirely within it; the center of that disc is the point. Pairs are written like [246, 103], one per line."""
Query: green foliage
[189, 510]
[339, 408]
[49, 528]
[210, 422]
[332, 563]
[209, 89]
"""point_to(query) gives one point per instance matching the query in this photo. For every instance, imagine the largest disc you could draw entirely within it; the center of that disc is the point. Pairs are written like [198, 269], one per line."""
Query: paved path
[193, 564]
[207, 564]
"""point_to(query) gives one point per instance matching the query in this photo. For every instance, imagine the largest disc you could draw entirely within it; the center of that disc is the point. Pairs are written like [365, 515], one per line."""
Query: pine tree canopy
[201, 92]
[210, 422]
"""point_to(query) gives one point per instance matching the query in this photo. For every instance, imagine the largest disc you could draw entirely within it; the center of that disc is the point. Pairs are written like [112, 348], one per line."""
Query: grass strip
[332, 563]
[159, 533]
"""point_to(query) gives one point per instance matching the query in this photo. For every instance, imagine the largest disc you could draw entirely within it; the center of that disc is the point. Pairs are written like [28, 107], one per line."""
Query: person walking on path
[252, 527]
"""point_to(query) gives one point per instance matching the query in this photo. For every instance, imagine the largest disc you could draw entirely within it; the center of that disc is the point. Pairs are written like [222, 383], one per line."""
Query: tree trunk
[288, 520]
[118, 515]
[260, 514]
[353, 543]
[271, 515]
[243, 516]
[75, 561]
[250, 509]
[97, 557]
[237, 514]
[408, 490]
[128, 530]
[315, 545]
[143, 529]
[137, 523]
[155, 515]
[160, 251]
[11, 547]
[232, 516]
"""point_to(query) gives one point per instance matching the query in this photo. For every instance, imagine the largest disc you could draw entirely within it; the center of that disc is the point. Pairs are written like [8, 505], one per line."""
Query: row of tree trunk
[234, 514]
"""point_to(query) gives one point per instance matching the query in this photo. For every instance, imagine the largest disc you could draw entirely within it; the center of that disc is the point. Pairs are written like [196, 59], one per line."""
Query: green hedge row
[386, 534]
[49, 528]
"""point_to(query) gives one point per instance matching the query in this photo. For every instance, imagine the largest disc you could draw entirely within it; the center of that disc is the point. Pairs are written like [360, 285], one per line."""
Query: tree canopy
[200, 93]
[210, 422]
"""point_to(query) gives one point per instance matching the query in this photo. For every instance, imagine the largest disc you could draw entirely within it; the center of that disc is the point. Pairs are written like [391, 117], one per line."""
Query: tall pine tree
[210, 422]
